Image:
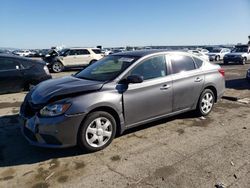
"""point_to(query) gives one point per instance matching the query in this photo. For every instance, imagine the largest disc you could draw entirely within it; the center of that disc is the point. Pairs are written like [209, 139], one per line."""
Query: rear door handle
[198, 79]
[165, 87]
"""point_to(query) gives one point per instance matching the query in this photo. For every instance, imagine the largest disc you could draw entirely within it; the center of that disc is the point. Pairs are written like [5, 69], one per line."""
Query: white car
[23, 53]
[218, 54]
[73, 58]
[199, 54]
[240, 54]
[204, 51]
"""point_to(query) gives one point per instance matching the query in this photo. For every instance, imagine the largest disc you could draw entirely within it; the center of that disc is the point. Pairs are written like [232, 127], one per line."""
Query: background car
[116, 93]
[17, 73]
[23, 53]
[240, 54]
[200, 54]
[73, 58]
[218, 54]
[248, 75]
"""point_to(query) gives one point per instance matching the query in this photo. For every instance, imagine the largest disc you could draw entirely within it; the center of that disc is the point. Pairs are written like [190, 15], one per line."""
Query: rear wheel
[97, 131]
[57, 67]
[244, 60]
[93, 61]
[217, 58]
[206, 102]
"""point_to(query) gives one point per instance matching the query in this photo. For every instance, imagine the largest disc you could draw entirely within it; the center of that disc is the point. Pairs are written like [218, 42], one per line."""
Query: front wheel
[206, 102]
[57, 67]
[97, 131]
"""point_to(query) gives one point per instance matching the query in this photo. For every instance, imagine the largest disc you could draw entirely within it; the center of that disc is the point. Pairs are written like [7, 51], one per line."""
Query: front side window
[154, 67]
[73, 52]
[181, 63]
[107, 69]
[7, 64]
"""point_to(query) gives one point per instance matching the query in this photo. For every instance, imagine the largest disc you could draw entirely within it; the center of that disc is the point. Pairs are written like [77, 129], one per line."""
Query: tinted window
[182, 63]
[73, 52]
[97, 51]
[83, 52]
[151, 68]
[7, 64]
[198, 62]
[26, 64]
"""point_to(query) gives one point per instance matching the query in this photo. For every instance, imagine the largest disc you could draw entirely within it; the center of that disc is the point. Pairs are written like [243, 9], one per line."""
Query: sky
[111, 23]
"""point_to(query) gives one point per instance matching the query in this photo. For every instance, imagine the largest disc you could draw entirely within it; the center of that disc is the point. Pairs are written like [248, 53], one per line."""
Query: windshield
[107, 68]
[215, 50]
[240, 49]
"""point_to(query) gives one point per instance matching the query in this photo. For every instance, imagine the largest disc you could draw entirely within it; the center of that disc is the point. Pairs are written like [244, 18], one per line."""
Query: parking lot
[182, 151]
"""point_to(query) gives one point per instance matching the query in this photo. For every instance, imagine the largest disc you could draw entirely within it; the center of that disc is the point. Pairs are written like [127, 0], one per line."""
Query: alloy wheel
[98, 132]
[207, 103]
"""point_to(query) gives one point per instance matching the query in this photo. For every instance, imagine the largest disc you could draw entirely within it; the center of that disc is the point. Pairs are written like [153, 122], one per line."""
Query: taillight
[222, 72]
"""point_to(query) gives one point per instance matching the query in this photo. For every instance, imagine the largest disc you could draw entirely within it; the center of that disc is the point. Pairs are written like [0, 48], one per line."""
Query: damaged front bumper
[52, 132]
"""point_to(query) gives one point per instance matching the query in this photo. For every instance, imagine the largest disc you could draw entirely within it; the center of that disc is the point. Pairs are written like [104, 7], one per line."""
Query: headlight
[45, 68]
[54, 109]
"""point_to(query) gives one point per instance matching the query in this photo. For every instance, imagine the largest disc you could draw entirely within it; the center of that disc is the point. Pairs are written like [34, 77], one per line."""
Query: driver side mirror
[133, 79]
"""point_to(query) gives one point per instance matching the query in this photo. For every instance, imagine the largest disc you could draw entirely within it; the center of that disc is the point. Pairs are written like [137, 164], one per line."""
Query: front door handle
[165, 87]
[198, 79]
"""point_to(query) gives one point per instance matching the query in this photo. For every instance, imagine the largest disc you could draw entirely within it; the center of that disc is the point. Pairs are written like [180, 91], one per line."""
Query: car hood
[54, 89]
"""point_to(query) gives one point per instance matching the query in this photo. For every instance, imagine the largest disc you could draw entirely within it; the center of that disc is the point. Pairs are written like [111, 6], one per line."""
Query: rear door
[188, 81]
[152, 97]
[84, 57]
[11, 77]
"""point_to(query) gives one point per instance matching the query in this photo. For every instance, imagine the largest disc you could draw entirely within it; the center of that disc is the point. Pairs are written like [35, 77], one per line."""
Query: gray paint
[136, 104]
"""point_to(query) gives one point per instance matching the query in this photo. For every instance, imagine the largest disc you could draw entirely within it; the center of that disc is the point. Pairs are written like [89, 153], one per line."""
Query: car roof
[139, 53]
[79, 48]
[16, 57]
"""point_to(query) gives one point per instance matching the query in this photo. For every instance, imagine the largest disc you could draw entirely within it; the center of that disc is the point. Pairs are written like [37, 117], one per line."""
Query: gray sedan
[116, 93]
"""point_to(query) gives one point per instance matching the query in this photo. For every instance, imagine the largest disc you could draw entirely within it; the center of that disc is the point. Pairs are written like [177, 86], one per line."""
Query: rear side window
[154, 67]
[26, 64]
[181, 63]
[8, 64]
[83, 52]
[198, 62]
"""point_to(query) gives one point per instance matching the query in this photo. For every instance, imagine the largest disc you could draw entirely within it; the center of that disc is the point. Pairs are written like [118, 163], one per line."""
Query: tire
[93, 61]
[205, 103]
[90, 137]
[57, 67]
[244, 60]
[217, 58]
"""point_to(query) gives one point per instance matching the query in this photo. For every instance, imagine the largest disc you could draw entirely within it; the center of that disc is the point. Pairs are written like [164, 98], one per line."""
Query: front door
[151, 98]
[11, 77]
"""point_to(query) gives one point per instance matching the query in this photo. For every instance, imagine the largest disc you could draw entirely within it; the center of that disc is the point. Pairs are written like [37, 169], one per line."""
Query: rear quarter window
[97, 51]
[198, 62]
